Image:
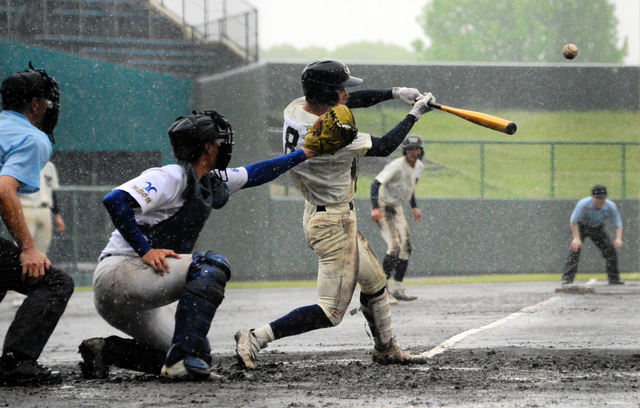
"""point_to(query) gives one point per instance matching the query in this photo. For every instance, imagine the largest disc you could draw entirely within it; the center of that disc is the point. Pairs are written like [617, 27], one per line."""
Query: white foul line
[447, 344]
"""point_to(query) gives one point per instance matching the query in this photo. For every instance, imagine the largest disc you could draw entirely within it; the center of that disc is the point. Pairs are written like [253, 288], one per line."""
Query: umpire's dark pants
[602, 241]
[39, 314]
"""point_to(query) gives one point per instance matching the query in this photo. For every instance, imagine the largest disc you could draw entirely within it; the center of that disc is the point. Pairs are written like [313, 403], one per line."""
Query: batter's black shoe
[616, 281]
[29, 372]
[93, 363]
[567, 281]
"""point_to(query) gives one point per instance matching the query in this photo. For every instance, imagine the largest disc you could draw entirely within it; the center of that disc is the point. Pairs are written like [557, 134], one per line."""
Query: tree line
[490, 31]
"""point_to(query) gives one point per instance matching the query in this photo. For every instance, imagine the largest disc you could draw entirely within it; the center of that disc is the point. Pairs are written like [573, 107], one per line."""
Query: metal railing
[552, 158]
[234, 22]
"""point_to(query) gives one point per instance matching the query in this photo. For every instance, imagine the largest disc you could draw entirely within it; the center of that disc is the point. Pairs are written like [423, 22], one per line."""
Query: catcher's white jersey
[398, 181]
[48, 184]
[327, 179]
[159, 190]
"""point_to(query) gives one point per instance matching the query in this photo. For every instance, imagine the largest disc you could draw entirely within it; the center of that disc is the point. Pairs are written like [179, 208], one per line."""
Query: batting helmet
[412, 141]
[190, 134]
[20, 88]
[322, 78]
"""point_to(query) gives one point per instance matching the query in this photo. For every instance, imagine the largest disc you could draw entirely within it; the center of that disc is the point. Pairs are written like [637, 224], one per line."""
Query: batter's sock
[389, 265]
[264, 334]
[401, 269]
[301, 320]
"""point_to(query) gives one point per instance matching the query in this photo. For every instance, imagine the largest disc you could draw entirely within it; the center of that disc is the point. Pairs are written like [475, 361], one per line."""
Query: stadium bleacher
[141, 34]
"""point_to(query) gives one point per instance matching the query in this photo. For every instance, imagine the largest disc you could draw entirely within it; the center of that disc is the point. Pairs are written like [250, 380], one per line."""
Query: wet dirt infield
[491, 345]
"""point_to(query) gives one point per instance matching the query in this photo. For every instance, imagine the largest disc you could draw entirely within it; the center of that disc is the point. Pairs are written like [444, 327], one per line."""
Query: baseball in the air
[570, 51]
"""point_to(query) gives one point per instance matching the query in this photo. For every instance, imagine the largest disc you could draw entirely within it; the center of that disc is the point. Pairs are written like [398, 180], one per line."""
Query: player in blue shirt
[587, 221]
[30, 104]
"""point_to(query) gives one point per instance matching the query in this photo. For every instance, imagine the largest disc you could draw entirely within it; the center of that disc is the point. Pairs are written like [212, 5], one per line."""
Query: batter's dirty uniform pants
[345, 257]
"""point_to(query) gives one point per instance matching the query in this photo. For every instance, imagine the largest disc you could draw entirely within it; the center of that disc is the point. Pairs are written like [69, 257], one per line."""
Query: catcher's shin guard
[206, 280]
[377, 311]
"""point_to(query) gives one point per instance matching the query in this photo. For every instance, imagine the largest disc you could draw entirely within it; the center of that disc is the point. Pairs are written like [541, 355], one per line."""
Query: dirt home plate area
[490, 345]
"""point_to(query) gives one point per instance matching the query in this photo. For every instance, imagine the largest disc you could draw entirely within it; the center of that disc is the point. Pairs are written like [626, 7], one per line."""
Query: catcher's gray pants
[345, 258]
[134, 299]
[395, 231]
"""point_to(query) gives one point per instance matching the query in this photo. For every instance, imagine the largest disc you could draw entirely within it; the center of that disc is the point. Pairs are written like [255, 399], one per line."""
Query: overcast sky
[332, 23]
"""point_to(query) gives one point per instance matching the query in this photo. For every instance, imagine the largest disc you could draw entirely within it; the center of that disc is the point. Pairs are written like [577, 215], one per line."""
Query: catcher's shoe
[394, 354]
[399, 294]
[178, 371]
[247, 348]
[93, 364]
[180, 366]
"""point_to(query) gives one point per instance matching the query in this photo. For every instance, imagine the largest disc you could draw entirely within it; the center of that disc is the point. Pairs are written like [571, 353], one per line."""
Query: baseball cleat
[180, 366]
[29, 372]
[394, 354]
[93, 364]
[247, 348]
[190, 368]
[399, 294]
[616, 282]
[392, 299]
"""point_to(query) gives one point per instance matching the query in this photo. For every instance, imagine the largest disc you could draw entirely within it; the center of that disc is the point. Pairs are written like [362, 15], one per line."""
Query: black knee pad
[208, 275]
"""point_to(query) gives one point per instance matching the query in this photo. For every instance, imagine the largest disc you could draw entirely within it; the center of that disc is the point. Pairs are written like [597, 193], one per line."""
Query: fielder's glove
[421, 107]
[406, 95]
[332, 131]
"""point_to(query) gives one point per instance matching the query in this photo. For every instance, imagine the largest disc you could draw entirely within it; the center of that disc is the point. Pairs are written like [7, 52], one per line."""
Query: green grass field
[520, 171]
[438, 280]
[444, 280]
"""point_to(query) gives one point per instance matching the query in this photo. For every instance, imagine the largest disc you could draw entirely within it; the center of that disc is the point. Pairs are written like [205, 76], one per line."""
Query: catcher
[328, 183]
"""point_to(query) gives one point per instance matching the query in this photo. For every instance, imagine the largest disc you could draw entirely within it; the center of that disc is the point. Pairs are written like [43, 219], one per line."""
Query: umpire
[30, 104]
[587, 221]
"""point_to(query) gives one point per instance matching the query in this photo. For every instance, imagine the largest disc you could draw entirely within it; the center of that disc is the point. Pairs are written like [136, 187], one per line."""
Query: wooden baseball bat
[482, 119]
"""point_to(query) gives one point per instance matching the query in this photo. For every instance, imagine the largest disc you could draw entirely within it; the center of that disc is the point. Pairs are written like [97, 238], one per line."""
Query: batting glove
[421, 107]
[406, 95]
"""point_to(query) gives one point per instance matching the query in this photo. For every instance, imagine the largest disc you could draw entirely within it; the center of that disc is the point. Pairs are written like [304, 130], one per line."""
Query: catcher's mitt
[332, 131]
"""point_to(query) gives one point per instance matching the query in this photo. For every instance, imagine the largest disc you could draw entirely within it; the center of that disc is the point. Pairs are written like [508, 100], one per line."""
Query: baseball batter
[328, 184]
[391, 189]
[146, 265]
[37, 210]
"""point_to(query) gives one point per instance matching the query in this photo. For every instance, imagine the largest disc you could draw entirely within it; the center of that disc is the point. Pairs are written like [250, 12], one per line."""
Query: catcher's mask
[322, 78]
[20, 88]
[413, 141]
[190, 134]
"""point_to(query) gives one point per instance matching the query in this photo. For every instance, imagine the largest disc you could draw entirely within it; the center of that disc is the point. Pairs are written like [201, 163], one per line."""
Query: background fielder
[390, 190]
